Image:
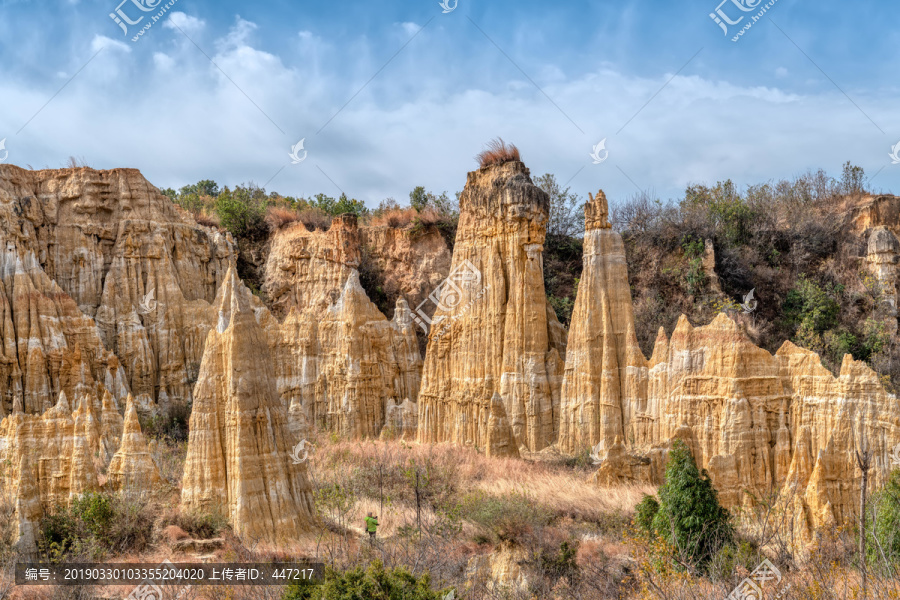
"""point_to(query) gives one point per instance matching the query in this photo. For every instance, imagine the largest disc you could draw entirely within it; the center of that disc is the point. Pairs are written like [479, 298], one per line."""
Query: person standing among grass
[371, 526]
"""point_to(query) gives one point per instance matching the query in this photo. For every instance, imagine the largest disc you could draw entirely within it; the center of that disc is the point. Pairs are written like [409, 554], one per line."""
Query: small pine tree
[690, 517]
[884, 533]
[644, 514]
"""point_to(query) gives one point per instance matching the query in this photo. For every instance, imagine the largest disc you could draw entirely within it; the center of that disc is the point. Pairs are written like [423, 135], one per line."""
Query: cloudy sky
[390, 95]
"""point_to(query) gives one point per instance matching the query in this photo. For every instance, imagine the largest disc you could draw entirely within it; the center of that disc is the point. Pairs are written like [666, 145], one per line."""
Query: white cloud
[410, 29]
[101, 41]
[188, 24]
[163, 61]
[421, 121]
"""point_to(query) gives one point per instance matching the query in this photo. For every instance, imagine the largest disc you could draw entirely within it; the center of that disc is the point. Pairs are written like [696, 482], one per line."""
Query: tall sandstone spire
[238, 450]
[605, 372]
[765, 427]
[493, 331]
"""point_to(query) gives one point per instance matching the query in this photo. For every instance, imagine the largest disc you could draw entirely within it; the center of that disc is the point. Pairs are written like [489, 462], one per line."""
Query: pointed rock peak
[661, 336]
[856, 368]
[17, 405]
[788, 348]
[596, 212]
[232, 299]
[132, 423]
[62, 404]
[401, 304]
[723, 321]
[660, 348]
[497, 406]
[683, 326]
[352, 284]
[108, 403]
[633, 354]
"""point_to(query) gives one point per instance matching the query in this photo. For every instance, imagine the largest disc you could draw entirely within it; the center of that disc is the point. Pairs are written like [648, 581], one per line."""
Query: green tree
[853, 179]
[884, 533]
[566, 208]
[418, 198]
[374, 583]
[690, 517]
[205, 187]
[645, 512]
[242, 212]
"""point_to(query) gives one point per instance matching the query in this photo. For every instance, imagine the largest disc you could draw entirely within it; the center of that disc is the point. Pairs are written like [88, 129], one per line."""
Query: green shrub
[690, 518]
[506, 517]
[562, 563]
[95, 524]
[374, 583]
[644, 513]
[242, 212]
[884, 534]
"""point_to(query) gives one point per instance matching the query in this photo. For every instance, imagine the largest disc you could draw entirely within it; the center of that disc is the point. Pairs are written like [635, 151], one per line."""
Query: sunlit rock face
[339, 362]
[47, 460]
[494, 331]
[239, 448]
[765, 426]
[605, 376]
[102, 281]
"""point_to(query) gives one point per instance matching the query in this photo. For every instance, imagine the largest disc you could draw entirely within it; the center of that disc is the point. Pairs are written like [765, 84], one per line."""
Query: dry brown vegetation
[444, 509]
[497, 152]
[280, 216]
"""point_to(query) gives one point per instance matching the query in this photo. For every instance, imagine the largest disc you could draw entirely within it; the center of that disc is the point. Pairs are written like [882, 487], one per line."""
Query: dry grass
[401, 218]
[315, 218]
[207, 220]
[563, 491]
[497, 152]
[280, 216]
[396, 218]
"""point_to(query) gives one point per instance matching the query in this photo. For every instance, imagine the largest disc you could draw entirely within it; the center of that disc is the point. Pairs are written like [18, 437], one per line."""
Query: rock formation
[132, 470]
[605, 370]
[238, 459]
[103, 275]
[338, 360]
[501, 442]
[401, 421]
[881, 256]
[764, 426]
[493, 330]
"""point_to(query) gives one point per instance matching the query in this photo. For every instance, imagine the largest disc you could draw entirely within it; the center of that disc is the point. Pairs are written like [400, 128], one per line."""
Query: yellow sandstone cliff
[238, 459]
[766, 427]
[494, 331]
[339, 362]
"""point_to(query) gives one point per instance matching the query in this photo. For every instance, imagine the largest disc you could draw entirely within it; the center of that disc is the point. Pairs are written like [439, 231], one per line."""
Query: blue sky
[388, 96]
